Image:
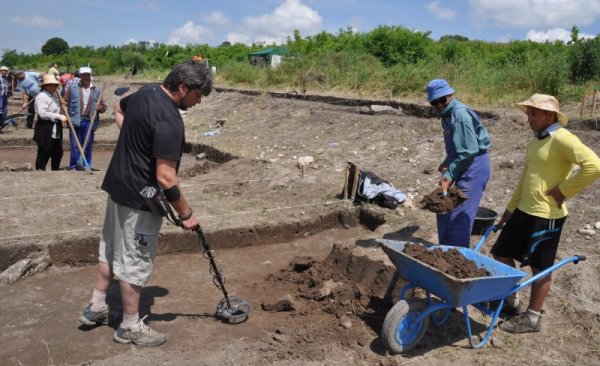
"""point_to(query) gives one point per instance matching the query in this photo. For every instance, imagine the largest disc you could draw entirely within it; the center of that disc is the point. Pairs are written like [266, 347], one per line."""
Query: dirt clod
[438, 203]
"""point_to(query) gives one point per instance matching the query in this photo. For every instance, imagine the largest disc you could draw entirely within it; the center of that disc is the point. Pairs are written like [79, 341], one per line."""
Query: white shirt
[47, 107]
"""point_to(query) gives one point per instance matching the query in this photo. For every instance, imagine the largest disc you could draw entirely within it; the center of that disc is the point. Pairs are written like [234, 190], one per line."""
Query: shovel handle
[87, 166]
[89, 131]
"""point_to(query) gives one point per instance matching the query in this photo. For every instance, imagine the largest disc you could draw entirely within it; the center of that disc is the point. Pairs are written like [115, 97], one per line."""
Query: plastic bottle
[211, 133]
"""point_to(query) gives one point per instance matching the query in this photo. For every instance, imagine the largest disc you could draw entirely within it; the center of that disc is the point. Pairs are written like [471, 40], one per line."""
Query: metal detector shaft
[206, 248]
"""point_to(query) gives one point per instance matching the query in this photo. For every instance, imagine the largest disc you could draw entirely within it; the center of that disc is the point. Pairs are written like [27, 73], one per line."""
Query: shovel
[14, 115]
[85, 164]
[8, 118]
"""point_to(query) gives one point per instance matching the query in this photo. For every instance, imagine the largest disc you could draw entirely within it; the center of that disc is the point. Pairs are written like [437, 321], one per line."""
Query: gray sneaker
[521, 324]
[140, 334]
[91, 317]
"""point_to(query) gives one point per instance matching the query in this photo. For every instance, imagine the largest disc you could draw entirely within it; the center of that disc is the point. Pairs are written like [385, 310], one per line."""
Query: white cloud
[528, 14]
[130, 40]
[282, 22]
[440, 11]
[554, 34]
[36, 21]
[189, 33]
[234, 38]
[217, 18]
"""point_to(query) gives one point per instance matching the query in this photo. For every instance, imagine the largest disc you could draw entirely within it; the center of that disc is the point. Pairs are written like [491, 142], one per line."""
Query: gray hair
[194, 74]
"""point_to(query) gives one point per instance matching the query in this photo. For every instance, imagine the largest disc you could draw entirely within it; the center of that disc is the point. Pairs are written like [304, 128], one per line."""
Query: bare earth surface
[306, 260]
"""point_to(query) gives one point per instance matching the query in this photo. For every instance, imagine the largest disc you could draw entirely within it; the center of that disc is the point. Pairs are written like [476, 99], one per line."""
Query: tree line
[388, 60]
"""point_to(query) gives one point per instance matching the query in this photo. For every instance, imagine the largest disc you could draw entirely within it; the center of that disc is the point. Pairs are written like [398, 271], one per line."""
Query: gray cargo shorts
[128, 242]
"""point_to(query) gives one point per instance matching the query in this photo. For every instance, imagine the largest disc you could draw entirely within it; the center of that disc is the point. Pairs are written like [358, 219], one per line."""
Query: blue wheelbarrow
[406, 322]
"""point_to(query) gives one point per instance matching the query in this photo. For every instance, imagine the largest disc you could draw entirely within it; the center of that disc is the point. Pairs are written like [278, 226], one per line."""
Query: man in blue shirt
[467, 163]
[30, 84]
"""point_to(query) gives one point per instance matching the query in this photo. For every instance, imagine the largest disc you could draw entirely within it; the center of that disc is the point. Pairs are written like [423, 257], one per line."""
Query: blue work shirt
[469, 137]
[31, 84]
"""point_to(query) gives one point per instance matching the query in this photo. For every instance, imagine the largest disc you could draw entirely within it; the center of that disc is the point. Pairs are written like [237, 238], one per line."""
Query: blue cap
[438, 88]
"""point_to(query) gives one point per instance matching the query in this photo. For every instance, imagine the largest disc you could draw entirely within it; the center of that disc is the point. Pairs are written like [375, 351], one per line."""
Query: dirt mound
[328, 301]
[438, 203]
[451, 262]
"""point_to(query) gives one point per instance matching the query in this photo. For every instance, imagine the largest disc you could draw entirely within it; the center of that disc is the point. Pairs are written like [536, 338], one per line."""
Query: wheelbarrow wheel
[400, 332]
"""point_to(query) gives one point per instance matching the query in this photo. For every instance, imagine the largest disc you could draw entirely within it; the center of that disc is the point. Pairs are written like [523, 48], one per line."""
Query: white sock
[98, 300]
[130, 320]
[533, 315]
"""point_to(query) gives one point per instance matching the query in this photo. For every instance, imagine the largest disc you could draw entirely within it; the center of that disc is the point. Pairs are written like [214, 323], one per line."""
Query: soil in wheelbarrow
[451, 262]
[438, 203]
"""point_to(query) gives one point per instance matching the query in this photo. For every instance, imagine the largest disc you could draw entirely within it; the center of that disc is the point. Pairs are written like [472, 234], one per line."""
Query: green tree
[55, 46]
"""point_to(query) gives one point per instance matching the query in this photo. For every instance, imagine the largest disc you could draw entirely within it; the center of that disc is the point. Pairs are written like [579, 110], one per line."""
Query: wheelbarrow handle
[572, 259]
[484, 237]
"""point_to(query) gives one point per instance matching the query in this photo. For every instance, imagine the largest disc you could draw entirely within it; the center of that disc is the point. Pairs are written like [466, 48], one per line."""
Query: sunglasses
[441, 100]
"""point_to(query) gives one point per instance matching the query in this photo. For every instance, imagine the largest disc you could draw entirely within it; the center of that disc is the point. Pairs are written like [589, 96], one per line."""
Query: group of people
[536, 212]
[150, 146]
[78, 102]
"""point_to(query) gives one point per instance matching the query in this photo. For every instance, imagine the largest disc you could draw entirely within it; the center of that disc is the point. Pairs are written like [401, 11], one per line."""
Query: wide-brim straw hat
[544, 102]
[49, 79]
[3, 68]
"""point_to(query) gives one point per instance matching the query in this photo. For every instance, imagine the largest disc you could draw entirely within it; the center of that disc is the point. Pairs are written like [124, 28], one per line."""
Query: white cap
[3, 68]
[85, 70]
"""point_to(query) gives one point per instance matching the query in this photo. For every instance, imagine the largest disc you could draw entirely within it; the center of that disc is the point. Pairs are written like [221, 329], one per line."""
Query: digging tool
[89, 131]
[232, 310]
[3, 119]
[86, 166]
[14, 115]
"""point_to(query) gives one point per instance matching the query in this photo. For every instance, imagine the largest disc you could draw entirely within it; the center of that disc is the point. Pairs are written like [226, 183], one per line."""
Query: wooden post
[594, 102]
[346, 176]
[355, 182]
[303, 169]
[582, 104]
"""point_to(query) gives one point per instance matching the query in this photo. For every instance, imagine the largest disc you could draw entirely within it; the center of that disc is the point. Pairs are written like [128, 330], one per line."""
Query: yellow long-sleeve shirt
[549, 163]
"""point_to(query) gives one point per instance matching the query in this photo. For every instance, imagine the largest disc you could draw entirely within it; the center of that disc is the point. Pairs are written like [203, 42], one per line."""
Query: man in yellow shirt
[536, 212]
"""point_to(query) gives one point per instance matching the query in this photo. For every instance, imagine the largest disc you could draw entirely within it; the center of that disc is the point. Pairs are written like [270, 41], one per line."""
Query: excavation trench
[84, 249]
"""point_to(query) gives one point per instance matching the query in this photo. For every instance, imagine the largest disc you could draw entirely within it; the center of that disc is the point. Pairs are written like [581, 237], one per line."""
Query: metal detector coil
[233, 309]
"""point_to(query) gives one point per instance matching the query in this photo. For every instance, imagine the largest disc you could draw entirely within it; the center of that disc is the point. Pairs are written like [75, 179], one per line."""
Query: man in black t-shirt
[147, 153]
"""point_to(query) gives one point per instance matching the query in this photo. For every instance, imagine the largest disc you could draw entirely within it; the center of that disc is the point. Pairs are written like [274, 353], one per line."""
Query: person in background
[53, 70]
[467, 163]
[4, 93]
[49, 126]
[197, 57]
[536, 211]
[148, 152]
[82, 99]
[64, 79]
[29, 82]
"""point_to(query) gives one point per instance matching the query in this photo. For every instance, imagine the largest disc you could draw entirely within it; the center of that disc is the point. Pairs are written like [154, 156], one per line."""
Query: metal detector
[230, 309]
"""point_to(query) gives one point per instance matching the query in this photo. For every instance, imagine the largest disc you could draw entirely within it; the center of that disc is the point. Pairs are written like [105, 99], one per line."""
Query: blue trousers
[81, 131]
[454, 228]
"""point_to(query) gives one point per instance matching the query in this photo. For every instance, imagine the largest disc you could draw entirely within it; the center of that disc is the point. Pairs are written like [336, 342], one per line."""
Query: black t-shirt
[152, 128]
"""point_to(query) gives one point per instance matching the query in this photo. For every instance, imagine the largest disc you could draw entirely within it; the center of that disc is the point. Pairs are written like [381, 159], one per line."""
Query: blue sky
[26, 24]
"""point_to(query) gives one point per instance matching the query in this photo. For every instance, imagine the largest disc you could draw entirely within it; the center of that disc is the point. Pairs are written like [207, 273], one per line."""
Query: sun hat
[546, 103]
[85, 70]
[49, 79]
[3, 68]
[438, 88]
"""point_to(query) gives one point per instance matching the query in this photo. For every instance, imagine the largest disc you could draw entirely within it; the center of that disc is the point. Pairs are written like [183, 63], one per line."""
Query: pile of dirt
[438, 203]
[328, 301]
[451, 262]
